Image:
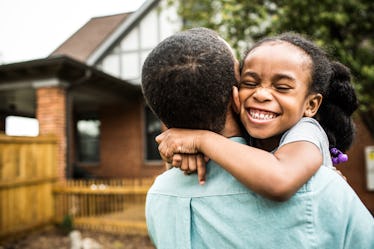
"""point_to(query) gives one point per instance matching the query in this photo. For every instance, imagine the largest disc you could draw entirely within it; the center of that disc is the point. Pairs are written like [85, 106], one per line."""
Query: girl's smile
[258, 115]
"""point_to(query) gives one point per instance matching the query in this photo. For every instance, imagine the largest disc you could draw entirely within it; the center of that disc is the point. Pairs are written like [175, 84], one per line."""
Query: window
[152, 129]
[88, 140]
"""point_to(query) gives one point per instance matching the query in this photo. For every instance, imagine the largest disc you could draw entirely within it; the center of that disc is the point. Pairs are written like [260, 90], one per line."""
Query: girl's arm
[276, 176]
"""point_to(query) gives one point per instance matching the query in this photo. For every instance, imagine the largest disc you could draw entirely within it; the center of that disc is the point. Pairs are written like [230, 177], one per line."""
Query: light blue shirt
[224, 214]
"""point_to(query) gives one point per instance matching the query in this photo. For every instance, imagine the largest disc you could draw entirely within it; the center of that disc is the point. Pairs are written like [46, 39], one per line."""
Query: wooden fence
[27, 174]
[115, 205]
[31, 196]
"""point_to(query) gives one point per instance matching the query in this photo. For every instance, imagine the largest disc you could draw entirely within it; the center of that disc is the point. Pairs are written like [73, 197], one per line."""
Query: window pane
[153, 128]
[88, 134]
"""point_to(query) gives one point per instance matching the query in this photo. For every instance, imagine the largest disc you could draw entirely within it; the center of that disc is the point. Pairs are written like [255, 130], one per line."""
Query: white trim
[51, 82]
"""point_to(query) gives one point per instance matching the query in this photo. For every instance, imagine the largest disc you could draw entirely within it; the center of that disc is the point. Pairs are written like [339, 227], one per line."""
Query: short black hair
[333, 81]
[187, 80]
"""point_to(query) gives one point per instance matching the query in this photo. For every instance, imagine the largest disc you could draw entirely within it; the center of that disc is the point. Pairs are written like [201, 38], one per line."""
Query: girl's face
[274, 86]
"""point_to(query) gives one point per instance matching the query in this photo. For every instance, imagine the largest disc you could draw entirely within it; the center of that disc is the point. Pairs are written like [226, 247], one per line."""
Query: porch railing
[115, 205]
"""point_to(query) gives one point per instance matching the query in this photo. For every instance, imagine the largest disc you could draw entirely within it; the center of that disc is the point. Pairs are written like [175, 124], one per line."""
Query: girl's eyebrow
[281, 76]
[252, 74]
[277, 77]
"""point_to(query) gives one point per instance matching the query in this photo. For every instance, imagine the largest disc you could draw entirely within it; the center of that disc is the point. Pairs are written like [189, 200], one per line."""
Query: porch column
[51, 114]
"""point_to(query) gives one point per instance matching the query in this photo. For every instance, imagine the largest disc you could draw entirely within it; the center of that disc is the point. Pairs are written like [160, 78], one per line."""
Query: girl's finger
[159, 138]
[177, 160]
[201, 169]
[192, 167]
[184, 164]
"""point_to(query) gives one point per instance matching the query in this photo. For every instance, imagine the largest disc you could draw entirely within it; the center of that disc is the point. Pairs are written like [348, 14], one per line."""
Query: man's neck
[232, 128]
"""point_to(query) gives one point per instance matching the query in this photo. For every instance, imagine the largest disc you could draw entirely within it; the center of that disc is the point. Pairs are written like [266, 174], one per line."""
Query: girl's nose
[262, 94]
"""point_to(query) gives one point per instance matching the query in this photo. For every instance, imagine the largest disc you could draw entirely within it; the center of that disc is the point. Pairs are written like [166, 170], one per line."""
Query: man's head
[188, 78]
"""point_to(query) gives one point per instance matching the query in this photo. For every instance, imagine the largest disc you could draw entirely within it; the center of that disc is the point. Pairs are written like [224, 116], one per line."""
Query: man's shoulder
[170, 178]
[330, 187]
[218, 182]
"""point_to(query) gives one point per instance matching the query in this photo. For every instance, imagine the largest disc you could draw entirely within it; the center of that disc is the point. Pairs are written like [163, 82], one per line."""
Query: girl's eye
[282, 88]
[248, 84]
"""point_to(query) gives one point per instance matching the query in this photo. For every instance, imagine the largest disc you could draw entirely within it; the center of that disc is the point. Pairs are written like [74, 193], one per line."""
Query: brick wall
[51, 114]
[122, 144]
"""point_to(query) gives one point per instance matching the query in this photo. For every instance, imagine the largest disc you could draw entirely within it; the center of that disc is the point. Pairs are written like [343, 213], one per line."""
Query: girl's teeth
[262, 115]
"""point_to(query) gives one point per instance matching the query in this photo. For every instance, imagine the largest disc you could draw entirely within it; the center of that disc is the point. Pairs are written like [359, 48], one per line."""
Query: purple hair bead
[342, 158]
[335, 151]
[337, 156]
[335, 160]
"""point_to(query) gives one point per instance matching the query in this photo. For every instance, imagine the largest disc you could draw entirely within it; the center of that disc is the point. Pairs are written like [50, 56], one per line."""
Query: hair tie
[337, 156]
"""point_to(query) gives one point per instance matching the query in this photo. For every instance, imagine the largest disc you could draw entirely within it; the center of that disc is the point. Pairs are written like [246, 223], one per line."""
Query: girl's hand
[191, 163]
[178, 141]
[178, 147]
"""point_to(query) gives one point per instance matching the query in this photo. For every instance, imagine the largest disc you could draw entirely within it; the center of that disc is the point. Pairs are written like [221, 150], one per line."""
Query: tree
[344, 27]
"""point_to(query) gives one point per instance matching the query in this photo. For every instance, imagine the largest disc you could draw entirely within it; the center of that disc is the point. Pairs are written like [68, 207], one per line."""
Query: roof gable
[123, 53]
[88, 38]
[122, 29]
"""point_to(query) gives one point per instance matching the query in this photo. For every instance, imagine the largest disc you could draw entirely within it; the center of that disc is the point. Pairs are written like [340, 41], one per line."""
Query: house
[87, 93]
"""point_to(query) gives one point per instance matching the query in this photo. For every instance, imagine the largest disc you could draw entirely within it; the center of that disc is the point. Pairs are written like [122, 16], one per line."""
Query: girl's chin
[259, 135]
[259, 131]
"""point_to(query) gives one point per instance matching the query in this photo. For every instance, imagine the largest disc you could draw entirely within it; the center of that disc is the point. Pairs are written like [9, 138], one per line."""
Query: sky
[32, 29]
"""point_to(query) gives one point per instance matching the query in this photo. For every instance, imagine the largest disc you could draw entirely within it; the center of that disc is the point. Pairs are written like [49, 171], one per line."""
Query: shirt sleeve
[308, 129]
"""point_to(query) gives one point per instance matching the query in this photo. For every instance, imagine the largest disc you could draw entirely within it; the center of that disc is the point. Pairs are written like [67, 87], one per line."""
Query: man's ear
[313, 104]
[237, 70]
[235, 98]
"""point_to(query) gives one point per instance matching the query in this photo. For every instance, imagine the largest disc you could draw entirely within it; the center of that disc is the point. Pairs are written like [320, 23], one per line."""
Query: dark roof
[63, 67]
[88, 38]
[91, 87]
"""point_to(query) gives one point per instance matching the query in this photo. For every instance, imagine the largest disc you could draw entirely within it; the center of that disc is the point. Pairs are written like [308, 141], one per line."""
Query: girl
[287, 91]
